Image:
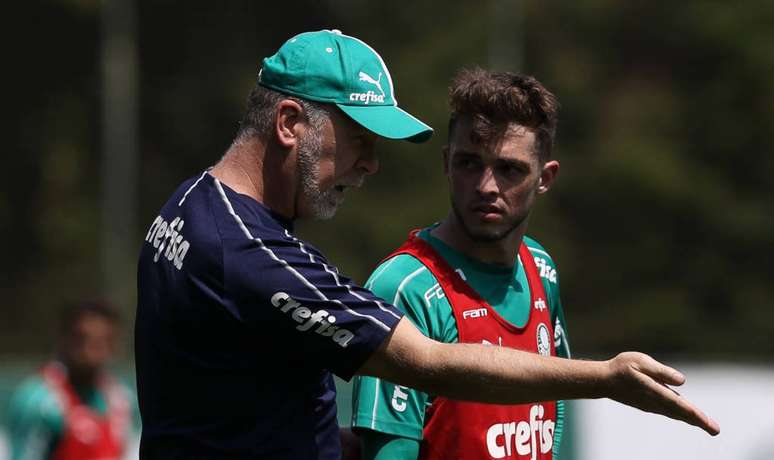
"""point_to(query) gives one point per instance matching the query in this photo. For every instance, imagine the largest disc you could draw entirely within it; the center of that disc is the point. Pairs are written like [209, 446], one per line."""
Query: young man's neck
[501, 252]
[245, 168]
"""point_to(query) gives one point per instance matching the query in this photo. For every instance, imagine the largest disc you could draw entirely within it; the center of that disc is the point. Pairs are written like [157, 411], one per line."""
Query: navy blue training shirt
[239, 326]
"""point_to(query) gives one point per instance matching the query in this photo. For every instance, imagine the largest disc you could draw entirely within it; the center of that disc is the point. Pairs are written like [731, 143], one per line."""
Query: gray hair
[258, 118]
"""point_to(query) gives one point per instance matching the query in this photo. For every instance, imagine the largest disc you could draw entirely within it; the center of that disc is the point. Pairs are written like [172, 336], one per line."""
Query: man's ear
[289, 121]
[548, 175]
[445, 151]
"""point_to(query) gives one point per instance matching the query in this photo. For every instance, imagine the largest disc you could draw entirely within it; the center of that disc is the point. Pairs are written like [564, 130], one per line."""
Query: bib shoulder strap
[55, 377]
[452, 283]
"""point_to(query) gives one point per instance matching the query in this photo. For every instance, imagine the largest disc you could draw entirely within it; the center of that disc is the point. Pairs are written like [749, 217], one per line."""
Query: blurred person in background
[73, 408]
[240, 324]
[476, 277]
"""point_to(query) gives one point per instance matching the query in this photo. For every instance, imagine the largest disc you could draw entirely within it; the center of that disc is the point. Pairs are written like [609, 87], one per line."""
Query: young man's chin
[486, 233]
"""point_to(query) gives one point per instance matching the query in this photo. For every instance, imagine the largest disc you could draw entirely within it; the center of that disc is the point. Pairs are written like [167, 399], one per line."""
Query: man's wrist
[591, 379]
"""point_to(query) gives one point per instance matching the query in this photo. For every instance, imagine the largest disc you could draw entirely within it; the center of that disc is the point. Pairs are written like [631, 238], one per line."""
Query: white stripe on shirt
[379, 271]
[192, 187]
[539, 251]
[333, 272]
[405, 282]
[286, 265]
[376, 402]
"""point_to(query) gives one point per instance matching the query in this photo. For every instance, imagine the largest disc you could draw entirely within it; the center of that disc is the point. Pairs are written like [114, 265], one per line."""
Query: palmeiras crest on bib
[543, 340]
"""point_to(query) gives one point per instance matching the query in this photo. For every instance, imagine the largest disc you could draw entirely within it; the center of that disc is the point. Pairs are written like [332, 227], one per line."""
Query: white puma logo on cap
[369, 79]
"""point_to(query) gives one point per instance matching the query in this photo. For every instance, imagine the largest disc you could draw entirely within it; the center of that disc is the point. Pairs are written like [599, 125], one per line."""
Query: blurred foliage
[661, 222]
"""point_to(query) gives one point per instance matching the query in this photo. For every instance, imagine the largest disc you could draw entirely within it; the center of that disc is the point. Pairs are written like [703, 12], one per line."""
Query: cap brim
[389, 121]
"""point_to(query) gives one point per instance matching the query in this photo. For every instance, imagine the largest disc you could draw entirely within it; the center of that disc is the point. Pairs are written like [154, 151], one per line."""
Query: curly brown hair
[496, 99]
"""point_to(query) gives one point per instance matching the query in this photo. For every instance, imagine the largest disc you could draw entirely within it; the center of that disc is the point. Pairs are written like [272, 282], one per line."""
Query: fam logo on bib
[474, 313]
[543, 340]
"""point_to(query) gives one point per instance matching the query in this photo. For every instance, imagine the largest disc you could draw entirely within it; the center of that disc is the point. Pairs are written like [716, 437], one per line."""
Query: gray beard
[323, 204]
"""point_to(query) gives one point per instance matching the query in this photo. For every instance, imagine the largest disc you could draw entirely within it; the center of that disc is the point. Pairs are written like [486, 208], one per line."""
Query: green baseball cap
[328, 66]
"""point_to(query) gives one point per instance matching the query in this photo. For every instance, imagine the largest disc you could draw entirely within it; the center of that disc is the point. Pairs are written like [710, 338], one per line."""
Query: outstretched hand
[642, 382]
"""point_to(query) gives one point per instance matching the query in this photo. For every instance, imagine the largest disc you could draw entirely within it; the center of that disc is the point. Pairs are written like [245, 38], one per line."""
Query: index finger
[679, 408]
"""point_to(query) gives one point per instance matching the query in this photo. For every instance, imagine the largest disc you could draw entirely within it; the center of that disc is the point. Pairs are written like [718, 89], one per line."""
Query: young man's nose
[487, 183]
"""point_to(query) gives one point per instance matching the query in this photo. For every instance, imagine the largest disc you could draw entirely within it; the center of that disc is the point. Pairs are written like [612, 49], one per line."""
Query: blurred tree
[660, 222]
[49, 204]
[664, 204]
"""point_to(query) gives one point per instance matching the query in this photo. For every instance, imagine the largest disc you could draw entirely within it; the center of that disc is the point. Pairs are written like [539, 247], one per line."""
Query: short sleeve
[283, 287]
[384, 406]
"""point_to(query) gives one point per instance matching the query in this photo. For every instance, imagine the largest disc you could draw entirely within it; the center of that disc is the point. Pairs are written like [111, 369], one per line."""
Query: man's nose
[487, 183]
[368, 162]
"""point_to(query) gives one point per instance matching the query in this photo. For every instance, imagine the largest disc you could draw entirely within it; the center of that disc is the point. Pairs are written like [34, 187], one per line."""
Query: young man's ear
[548, 176]
[445, 151]
[288, 123]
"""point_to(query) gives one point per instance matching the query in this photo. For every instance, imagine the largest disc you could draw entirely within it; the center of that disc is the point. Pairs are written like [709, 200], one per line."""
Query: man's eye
[465, 163]
[511, 170]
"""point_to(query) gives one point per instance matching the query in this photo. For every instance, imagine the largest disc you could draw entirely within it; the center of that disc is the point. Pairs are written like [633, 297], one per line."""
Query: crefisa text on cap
[367, 97]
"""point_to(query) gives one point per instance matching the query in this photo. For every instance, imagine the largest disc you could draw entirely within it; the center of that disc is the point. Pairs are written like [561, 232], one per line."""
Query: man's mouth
[488, 212]
[487, 209]
[342, 187]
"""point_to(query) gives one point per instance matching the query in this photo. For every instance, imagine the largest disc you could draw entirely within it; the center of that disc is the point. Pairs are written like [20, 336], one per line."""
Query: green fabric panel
[379, 446]
[379, 404]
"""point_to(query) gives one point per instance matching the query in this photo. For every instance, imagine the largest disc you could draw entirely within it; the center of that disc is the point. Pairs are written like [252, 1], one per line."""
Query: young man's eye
[511, 170]
[466, 163]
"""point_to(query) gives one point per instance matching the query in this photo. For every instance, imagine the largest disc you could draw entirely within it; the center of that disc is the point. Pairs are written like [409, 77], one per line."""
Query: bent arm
[494, 374]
